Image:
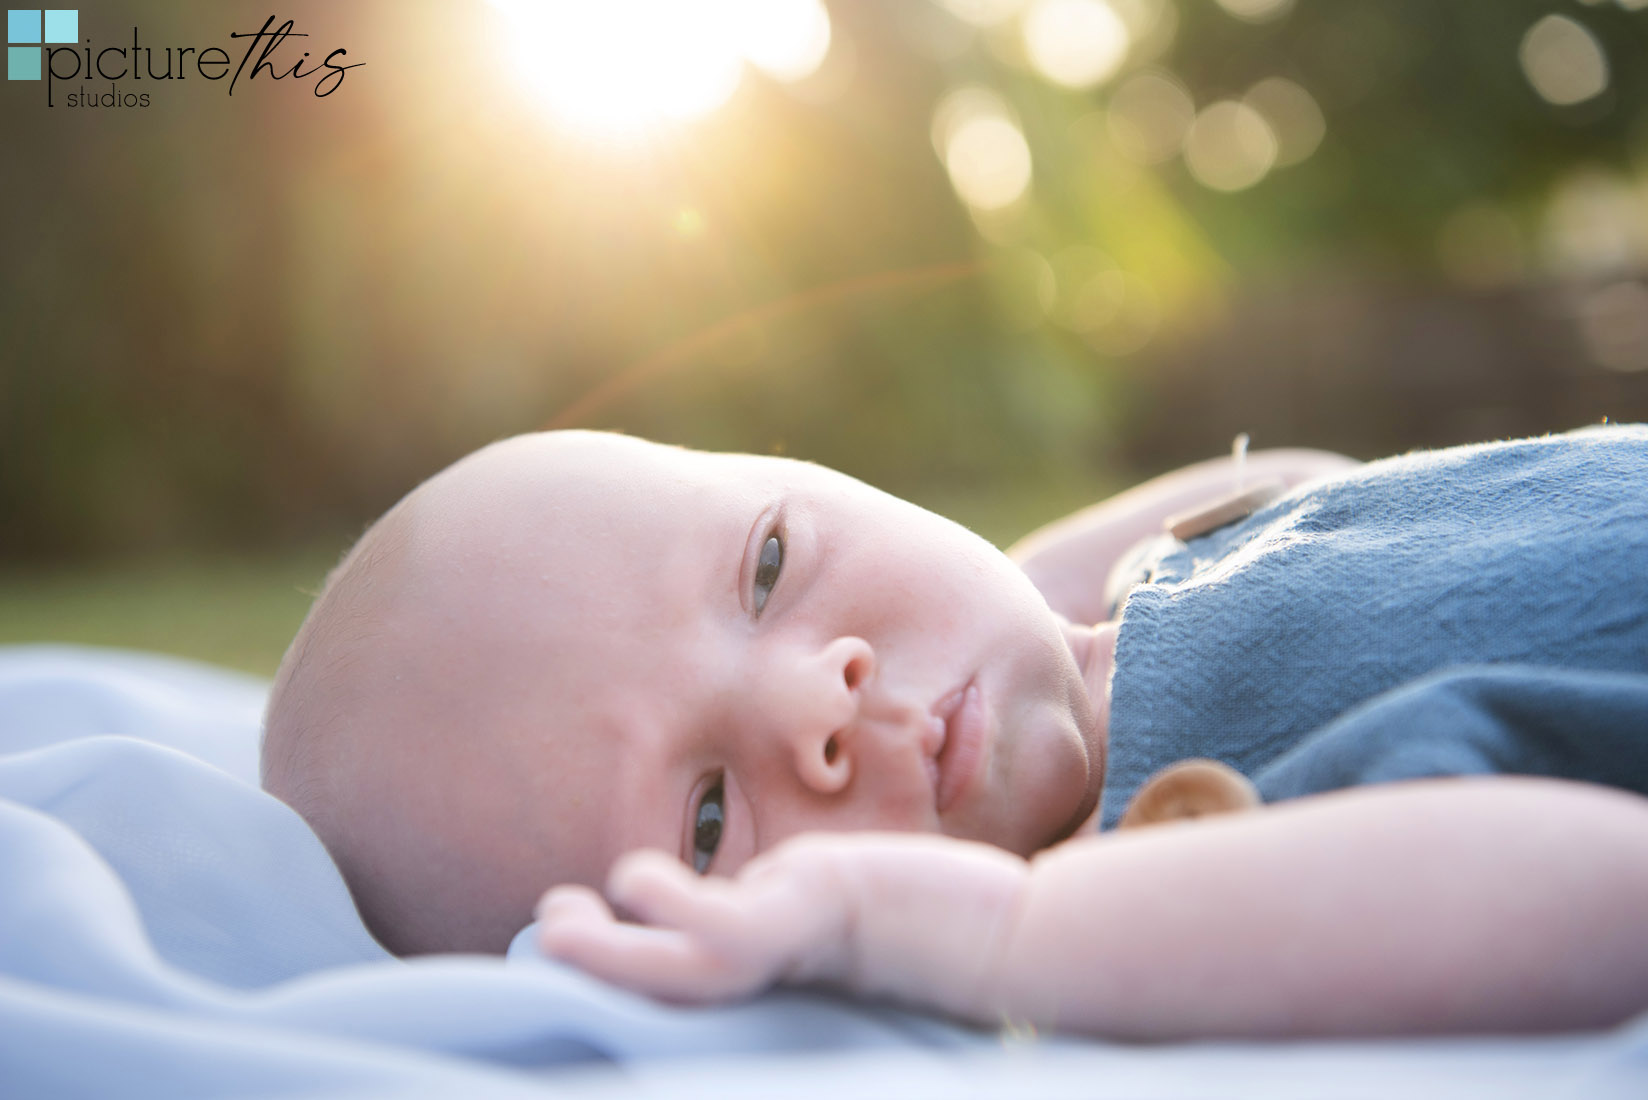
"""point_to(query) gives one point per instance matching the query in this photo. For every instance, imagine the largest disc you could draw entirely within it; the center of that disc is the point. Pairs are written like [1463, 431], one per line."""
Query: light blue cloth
[169, 930]
[1468, 610]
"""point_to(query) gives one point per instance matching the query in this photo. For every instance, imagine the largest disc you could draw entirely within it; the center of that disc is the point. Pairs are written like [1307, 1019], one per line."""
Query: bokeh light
[1563, 61]
[1230, 147]
[1113, 310]
[1077, 43]
[983, 13]
[989, 162]
[1149, 114]
[731, 188]
[1613, 325]
[1293, 117]
[1090, 288]
[1256, 11]
[982, 148]
[619, 68]
[1152, 26]
[1594, 225]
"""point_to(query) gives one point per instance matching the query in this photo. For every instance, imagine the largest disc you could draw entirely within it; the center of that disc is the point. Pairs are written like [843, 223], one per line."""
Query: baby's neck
[1094, 648]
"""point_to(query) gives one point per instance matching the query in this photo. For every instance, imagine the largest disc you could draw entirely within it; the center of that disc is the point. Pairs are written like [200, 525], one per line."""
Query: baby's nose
[824, 718]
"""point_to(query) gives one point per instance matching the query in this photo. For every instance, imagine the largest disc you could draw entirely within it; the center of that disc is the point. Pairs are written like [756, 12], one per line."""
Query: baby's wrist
[929, 922]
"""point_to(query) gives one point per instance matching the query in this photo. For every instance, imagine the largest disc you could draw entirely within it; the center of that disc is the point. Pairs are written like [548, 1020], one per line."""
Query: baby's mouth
[965, 724]
[933, 739]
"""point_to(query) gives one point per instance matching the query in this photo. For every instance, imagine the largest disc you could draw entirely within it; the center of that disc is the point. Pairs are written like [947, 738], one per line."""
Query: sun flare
[618, 68]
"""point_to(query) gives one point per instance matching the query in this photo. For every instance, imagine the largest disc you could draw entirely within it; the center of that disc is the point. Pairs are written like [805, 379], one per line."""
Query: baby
[572, 646]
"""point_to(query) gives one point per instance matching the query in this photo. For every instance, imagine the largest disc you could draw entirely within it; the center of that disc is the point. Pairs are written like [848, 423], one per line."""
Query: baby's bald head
[574, 644]
[316, 725]
[395, 718]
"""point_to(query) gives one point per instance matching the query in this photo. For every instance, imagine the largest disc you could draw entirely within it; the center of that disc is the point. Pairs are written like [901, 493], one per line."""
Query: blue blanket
[167, 929]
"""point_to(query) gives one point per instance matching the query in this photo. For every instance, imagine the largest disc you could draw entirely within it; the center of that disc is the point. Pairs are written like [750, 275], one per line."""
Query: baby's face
[600, 644]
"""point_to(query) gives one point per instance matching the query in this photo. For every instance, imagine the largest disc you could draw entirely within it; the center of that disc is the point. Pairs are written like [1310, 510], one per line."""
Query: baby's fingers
[678, 961]
[571, 919]
[656, 889]
[572, 903]
[662, 962]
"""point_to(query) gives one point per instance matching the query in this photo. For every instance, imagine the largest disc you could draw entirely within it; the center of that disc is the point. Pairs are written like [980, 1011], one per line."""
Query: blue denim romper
[1464, 611]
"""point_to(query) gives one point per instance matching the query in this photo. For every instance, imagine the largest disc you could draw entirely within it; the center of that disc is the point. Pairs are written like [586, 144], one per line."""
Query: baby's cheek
[1051, 777]
[897, 799]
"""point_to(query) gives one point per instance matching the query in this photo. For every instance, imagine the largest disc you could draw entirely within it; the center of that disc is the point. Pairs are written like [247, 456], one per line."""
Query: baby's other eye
[766, 569]
[706, 828]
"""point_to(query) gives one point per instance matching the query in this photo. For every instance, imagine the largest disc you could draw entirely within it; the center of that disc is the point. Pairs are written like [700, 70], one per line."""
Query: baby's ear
[1190, 788]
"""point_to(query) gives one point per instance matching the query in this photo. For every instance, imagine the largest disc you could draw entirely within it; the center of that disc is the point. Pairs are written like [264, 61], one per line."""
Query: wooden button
[1188, 525]
[1190, 788]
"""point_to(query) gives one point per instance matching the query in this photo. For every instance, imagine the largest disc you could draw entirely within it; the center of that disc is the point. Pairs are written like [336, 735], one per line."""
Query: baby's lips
[933, 736]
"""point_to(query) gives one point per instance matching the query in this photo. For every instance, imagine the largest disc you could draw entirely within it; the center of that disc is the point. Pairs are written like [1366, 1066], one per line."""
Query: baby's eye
[706, 829]
[766, 569]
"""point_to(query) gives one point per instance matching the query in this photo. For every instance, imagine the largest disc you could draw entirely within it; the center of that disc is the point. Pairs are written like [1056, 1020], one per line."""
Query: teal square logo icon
[23, 26]
[28, 29]
[62, 25]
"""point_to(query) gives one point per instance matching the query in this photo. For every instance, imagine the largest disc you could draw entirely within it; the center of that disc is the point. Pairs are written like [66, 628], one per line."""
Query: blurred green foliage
[254, 321]
[239, 612]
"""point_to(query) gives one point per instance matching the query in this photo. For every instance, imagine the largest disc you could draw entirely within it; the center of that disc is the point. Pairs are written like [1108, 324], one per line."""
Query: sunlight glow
[786, 39]
[617, 68]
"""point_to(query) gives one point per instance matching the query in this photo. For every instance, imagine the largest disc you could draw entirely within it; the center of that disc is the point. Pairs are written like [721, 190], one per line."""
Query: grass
[235, 612]
[240, 612]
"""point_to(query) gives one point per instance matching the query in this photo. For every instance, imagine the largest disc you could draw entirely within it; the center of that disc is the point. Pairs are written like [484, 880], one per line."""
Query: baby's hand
[920, 918]
[785, 917]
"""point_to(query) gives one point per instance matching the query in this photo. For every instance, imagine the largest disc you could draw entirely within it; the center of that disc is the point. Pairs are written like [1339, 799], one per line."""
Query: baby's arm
[1501, 904]
[1497, 904]
[1070, 559]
